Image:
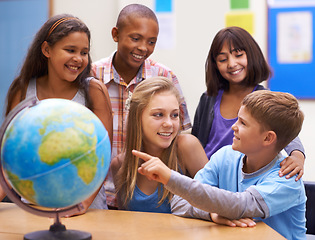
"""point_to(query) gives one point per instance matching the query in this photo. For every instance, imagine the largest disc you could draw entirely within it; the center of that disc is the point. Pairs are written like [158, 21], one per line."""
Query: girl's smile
[160, 122]
[232, 64]
[68, 57]
[237, 71]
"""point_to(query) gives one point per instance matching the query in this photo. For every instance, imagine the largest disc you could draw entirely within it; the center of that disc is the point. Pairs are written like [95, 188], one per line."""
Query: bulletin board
[291, 47]
[19, 22]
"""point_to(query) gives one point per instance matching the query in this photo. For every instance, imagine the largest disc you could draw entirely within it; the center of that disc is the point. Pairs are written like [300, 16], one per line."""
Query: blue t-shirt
[284, 198]
[148, 203]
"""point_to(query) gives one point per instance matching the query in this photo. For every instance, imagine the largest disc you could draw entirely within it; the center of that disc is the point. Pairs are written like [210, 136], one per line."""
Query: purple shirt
[221, 133]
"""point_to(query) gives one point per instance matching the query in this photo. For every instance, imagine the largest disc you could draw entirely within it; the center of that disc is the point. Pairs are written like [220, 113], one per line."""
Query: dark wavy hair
[258, 69]
[36, 64]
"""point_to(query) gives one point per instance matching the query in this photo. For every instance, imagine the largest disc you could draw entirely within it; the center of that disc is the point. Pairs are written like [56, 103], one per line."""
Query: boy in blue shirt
[242, 180]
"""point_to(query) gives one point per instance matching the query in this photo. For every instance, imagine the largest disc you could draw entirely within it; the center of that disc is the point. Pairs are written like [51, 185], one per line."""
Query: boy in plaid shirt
[136, 33]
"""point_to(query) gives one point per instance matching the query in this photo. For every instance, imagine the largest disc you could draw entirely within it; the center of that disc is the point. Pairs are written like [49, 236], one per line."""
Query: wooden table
[116, 225]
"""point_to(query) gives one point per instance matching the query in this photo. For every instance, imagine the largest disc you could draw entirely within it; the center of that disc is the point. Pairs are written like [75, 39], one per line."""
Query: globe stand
[57, 231]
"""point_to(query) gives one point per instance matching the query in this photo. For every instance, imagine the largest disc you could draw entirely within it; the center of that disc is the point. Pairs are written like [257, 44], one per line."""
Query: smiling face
[68, 57]
[232, 65]
[248, 134]
[160, 122]
[136, 42]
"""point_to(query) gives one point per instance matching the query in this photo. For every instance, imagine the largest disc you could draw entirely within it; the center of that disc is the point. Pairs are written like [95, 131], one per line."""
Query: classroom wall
[196, 24]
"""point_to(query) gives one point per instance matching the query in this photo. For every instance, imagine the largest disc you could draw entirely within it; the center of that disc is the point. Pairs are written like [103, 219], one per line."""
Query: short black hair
[134, 10]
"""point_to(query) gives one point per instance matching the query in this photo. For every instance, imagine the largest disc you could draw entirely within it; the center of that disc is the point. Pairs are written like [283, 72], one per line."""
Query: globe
[55, 153]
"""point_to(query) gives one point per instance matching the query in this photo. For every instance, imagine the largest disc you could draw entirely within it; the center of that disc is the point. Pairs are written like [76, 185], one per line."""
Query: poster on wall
[167, 30]
[291, 3]
[295, 37]
[291, 49]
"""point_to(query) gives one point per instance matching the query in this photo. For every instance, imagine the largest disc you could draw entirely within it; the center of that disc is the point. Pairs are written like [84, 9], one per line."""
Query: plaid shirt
[120, 92]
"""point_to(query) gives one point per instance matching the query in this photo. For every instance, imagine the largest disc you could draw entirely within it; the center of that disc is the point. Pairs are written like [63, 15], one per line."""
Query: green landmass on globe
[56, 154]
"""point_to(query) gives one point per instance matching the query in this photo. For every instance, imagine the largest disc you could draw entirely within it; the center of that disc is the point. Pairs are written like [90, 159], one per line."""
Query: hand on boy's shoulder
[293, 165]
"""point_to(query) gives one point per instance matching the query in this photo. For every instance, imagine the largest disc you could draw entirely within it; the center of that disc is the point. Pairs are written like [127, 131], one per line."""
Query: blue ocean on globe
[56, 153]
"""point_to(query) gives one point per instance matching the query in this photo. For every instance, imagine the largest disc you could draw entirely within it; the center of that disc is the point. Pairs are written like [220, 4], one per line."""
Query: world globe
[55, 153]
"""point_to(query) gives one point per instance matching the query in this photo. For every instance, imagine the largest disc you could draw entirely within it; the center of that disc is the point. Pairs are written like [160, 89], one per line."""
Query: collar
[114, 76]
[261, 170]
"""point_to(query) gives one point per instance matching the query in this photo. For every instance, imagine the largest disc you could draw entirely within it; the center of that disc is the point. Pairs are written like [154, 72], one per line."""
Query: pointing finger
[142, 155]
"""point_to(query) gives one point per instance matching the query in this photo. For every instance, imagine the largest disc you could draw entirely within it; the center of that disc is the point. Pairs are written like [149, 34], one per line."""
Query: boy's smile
[136, 42]
[248, 134]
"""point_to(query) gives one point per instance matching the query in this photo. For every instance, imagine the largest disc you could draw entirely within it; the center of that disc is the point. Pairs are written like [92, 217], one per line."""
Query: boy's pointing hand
[153, 168]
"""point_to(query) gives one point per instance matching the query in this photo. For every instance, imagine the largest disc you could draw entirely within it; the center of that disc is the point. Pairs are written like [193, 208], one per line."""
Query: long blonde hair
[126, 179]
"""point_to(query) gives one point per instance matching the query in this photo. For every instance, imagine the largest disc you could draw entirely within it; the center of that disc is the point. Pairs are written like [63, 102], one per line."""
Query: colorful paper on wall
[244, 20]
[163, 6]
[167, 30]
[239, 4]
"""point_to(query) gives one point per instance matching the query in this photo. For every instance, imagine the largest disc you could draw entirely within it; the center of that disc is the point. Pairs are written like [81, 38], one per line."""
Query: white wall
[196, 24]
[99, 15]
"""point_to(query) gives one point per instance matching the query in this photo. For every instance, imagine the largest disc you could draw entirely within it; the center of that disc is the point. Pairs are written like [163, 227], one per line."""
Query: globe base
[58, 231]
[68, 234]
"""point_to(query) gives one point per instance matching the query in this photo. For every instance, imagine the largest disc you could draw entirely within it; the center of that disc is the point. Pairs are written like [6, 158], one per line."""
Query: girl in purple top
[234, 68]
